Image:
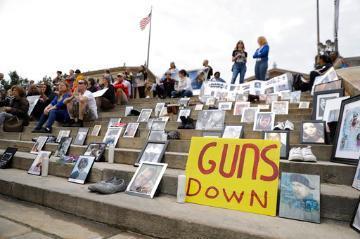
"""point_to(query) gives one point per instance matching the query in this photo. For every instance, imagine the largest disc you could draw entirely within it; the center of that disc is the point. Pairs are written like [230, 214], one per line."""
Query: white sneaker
[296, 154]
[308, 154]
[288, 125]
[279, 126]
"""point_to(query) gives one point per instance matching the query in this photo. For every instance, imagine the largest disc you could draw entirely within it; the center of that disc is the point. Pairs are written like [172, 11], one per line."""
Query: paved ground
[21, 220]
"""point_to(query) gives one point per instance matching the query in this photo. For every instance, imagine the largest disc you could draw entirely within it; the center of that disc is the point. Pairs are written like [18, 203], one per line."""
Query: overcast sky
[39, 37]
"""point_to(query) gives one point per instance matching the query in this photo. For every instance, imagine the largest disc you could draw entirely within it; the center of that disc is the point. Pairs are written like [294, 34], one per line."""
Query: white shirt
[128, 85]
[91, 103]
[184, 84]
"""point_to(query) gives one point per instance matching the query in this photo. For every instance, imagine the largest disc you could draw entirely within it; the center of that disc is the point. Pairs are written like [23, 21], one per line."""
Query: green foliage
[47, 80]
[15, 79]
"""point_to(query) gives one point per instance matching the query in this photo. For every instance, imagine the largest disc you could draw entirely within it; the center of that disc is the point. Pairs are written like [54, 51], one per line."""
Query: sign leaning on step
[238, 174]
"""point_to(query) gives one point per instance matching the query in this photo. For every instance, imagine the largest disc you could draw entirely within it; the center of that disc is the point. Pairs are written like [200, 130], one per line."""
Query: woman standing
[140, 80]
[239, 57]
[261, 56]
[55, 111]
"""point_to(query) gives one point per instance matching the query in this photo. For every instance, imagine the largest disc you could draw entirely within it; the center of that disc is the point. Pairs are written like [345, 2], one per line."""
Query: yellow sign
[239, 174]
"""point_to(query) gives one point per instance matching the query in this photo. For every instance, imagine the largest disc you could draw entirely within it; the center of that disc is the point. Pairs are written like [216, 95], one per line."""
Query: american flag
[145, 21]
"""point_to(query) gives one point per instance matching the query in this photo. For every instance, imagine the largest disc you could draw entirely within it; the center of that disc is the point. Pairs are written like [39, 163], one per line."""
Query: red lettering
[254, 195]
[242, 159]
[207, 193]
[211, 162]
[233, 195]
[275, 168]
[188, 187]
[234, 162]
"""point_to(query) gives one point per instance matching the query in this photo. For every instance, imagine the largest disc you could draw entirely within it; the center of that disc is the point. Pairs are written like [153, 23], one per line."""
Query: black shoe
[80, 123]
[45, 130]
[69, 123]
[36, 130]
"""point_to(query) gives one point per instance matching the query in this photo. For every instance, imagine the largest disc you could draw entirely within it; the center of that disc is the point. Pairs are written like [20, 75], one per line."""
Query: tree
[47, 80]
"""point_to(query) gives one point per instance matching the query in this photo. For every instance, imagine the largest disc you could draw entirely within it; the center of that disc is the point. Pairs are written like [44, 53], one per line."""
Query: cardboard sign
[238, 174]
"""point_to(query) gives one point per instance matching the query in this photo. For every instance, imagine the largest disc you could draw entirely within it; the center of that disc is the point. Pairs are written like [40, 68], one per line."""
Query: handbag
[13, 124]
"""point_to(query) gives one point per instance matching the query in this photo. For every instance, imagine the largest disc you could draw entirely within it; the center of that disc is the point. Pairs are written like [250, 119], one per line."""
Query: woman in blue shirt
[261, 56]
[55, 111]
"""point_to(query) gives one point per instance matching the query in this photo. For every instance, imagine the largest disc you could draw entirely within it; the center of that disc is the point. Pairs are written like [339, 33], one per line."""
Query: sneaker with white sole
[296, 154]
[308, 154]
[279, 126]
[288, 125]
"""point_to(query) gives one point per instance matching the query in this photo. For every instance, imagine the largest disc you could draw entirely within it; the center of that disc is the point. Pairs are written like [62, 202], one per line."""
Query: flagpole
[148, 51]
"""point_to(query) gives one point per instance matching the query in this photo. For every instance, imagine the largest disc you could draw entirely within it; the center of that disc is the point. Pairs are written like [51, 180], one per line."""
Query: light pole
[318, 26]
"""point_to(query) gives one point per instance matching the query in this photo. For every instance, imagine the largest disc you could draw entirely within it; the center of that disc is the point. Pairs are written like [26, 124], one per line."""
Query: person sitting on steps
[183, 88]
[81, 106]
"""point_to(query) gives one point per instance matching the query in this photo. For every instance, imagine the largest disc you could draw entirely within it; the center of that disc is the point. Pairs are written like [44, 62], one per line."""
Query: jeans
[182, 93]
[4, 116]
[238, 68]
[260, 70]
[54, 115]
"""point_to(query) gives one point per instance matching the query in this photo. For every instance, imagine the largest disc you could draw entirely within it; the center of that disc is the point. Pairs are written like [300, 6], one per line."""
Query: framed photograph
[248, 115]
[157, 135]
[210, 120]
[295, 97]
[332, 109]
[96, 130]
[355, 222]
[97, 150]
[329, 76]
[212, 134]
[39, 144]
[199, 107]
[270, 98]
[347, 138]
[225, 105]
[146, 179]
[158, 108]
[312, 132]
[285, 95]
[144, 115]
[35, 168]
[263, 107]
[63, 147]
[131, 130]
[233, 132]
[163, 112]
[241, 97]
[300, 197]
[7, 156]
[32, 102]
[183, 112]
[81, 136]
[239, 107]
[264, 121]
[158, 125]
[128, 109]
[184, 102]
[81, 169]
[114, 122]
[356, 182]
[163, 118]
[153, 151]
[280, 107]
[112, 136]
[210, 101]
[283, 138]
[62, 133]
[304, 105]
[319, 101]
[333, 85]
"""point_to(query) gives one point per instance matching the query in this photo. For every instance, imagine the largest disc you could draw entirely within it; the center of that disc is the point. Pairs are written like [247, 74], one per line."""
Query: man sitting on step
[81, 106]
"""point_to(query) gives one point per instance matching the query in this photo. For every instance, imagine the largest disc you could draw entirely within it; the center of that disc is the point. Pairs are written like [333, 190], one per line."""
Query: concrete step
[329, 172]
[161, 217]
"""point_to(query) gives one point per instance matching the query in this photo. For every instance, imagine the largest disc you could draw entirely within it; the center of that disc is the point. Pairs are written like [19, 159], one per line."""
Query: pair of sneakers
[287, 125]
[113, 185]
[302, 154]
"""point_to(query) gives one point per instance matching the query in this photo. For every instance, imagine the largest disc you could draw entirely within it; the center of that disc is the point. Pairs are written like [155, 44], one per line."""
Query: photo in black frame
[282, 136]
[312, 132]
[355, 221]
[81, 136]
[63, 147]
[332, 85]
[97, 150]
[7, 156]
[319, 102]
[153, 151]
[347, 136]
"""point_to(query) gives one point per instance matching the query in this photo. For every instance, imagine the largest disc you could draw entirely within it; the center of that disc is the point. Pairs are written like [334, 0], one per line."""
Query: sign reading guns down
[238, 174]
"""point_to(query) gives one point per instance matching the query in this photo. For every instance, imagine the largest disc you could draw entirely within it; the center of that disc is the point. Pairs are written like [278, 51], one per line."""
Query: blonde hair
[262, 40]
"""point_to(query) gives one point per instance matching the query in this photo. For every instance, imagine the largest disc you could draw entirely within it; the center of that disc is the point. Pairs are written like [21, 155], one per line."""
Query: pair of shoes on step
[113, 185]
[302, 154]
[287, 125]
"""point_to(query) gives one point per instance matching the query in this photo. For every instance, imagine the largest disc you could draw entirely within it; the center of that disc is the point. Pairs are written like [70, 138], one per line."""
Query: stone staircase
[162, 217]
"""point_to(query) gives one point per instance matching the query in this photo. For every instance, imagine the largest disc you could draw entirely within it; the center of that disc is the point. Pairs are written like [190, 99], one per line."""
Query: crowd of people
[70, 98]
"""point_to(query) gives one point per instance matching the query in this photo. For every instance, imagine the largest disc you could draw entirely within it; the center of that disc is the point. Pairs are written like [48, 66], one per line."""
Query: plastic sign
[238, 174]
